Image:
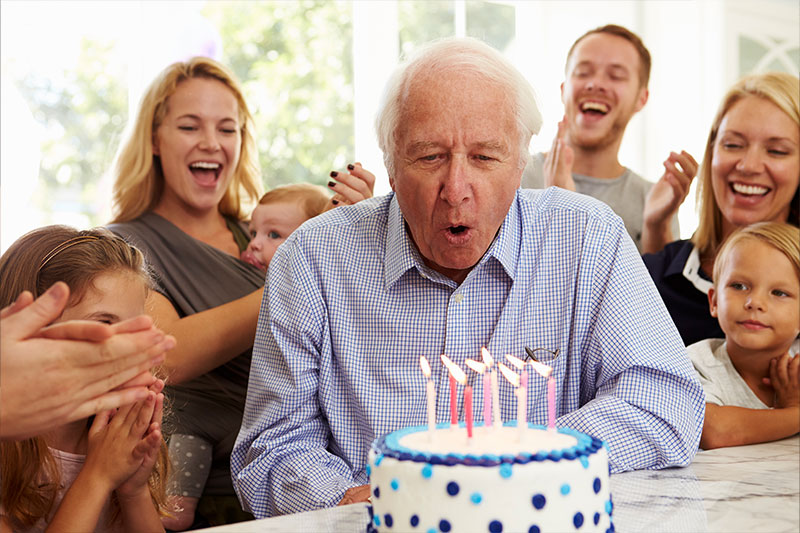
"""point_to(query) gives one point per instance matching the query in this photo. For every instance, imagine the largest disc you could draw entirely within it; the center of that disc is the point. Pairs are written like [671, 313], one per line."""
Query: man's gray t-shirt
[625, 195]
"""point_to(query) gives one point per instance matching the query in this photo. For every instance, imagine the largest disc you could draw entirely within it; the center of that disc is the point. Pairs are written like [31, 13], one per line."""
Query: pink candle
[551, 403]
[487, 400]
[453, 410]
[481, 369]
[468, 409]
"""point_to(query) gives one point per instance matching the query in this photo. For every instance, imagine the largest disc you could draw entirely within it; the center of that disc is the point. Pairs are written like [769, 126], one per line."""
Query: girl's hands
[784, 377]
[119, 442]
[147, 449]
[352, 186]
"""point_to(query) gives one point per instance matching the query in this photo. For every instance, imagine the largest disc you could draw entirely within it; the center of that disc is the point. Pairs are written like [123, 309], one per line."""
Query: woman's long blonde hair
[138, 178]
[779, 88]
[38, 259]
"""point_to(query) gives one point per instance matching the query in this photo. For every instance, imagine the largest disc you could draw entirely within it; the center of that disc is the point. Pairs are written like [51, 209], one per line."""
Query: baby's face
[756, 298]
[271, 224]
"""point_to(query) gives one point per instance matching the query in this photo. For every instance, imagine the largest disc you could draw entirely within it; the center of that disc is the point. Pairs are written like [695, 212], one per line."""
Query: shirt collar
[401, 254]
[691, 271]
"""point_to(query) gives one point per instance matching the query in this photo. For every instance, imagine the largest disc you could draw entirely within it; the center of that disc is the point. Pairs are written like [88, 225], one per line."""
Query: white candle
[430, 395]
[547, 372]
[519, 392]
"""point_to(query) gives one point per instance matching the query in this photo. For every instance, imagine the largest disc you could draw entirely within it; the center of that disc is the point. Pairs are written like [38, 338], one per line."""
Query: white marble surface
[746, 488]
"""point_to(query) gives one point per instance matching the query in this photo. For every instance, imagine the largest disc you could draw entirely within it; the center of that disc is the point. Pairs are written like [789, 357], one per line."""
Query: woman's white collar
[691, 271]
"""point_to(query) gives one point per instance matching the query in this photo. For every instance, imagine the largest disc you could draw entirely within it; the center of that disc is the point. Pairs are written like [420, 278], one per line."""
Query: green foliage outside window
[295, 62]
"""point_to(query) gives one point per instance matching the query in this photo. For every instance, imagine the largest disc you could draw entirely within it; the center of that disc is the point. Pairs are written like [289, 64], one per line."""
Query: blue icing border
[389, 445]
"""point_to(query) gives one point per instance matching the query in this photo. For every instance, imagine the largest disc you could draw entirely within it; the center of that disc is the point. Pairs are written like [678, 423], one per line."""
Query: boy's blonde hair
[138, 178]
[312, 199]
[783, 237]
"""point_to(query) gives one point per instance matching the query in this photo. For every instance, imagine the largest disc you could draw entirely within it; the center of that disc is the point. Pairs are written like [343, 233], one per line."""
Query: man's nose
[456, 185]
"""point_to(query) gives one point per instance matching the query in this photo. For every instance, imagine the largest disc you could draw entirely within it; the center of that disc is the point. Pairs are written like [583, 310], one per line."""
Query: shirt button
[458, 297]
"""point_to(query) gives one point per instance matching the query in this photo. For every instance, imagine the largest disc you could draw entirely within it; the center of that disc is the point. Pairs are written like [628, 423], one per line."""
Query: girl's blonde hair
[783, 237]
[312, 199]
[138, 177]
[38, 259]
[779, 88]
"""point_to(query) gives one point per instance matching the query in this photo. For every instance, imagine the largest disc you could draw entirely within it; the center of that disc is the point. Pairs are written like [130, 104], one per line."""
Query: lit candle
[547, 372]
[456, 374]
[522, 394]
[430, 395]
[480, 368]
[496, 420]
[514, 379]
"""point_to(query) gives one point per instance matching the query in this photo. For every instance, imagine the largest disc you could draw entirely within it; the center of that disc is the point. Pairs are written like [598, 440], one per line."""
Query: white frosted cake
[538, 482]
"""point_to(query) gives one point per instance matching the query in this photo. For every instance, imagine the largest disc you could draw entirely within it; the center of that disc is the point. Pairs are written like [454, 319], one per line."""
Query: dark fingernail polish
[351, 166]
[335, 202]
[334, 173]
[331, 183]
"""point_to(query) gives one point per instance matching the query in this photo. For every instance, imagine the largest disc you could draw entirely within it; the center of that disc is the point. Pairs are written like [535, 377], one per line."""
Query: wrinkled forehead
[456, 98]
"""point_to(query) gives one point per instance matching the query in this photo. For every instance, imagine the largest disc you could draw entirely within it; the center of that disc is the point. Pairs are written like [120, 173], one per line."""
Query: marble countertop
[747, 488]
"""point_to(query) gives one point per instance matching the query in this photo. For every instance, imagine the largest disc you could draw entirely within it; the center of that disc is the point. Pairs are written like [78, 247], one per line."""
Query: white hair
[463, 54]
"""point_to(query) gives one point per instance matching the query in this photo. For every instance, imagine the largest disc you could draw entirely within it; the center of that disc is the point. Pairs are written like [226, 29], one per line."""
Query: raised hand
[352, 186]
[147, 449]
[77, 365]
[116, 443]
[664, 199]
[558, 161]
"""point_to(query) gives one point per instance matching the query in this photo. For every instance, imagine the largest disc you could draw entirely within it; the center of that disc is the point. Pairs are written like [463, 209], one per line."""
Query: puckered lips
[457, 233]
[206, 173]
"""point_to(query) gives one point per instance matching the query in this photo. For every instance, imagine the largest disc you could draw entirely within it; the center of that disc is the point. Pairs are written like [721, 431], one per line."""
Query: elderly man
[456, 258]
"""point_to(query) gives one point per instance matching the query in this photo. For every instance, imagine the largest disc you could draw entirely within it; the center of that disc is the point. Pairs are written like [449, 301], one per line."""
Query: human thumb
[40, 313]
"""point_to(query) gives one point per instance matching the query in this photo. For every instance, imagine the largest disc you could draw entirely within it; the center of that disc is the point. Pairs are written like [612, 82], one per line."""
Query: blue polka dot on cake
[452, 488]
[538, 501]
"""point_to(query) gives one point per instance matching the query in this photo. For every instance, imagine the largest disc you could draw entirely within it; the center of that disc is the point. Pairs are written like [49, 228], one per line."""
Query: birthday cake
[501, 479]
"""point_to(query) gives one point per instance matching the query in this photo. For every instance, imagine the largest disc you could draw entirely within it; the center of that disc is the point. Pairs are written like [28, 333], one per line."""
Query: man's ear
[562, 92]
[641, 99]
[712, 302]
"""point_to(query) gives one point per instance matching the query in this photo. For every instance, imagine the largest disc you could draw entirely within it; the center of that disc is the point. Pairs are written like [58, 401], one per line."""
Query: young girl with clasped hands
[104, 473]
[752, 377]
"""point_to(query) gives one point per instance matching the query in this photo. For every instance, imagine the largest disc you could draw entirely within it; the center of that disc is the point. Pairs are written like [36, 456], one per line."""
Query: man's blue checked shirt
[350, 307]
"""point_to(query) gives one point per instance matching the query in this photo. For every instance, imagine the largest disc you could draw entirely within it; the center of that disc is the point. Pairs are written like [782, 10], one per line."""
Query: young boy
[279, 212]
[751, 379]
